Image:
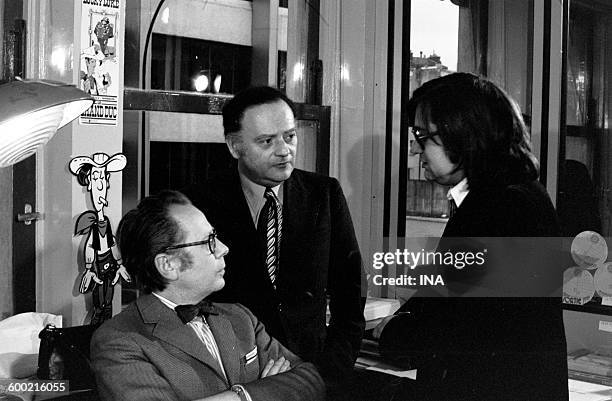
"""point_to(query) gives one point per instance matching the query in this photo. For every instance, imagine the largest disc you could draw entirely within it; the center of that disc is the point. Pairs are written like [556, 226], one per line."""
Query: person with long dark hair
[498, 334]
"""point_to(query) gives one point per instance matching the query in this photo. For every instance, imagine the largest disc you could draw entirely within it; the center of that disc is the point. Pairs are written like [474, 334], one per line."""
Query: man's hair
[481, 129]
[234, 110]
[144, 232]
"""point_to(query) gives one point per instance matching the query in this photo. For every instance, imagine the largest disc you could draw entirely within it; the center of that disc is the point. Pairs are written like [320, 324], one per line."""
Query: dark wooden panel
[176, 102]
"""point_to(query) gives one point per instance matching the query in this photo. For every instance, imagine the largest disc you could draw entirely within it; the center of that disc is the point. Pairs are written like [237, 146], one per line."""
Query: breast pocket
[249, 364]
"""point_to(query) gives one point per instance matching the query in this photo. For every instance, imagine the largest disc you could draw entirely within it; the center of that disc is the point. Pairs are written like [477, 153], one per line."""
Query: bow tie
[187, 312]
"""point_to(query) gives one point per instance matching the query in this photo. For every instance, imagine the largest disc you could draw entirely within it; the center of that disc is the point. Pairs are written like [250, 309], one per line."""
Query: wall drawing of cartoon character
[102, 259]
[95, 79]
[104, 32]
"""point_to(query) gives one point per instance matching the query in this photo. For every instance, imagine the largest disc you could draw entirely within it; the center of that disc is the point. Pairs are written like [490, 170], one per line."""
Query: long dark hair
[481, 128]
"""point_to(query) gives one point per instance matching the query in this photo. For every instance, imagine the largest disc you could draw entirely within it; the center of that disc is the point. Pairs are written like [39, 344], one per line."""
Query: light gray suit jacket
[147, 353]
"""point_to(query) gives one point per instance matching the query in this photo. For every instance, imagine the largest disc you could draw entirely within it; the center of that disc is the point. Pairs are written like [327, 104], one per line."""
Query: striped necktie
[452, 208]
[270, 225]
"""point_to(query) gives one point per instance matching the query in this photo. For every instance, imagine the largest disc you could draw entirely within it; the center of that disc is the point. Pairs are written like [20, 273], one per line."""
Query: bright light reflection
[344, 72]
[165, 17]
[298, 72]
[217, 83]
[200, 83]
[58, 59]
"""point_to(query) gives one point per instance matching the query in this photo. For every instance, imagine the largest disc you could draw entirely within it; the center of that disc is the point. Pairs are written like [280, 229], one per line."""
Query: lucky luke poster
[99, 66]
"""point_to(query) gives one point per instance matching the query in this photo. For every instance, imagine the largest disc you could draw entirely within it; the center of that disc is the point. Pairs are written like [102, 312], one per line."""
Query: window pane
[495, 41]
[585, 177]
[205, 66]
[434, 39]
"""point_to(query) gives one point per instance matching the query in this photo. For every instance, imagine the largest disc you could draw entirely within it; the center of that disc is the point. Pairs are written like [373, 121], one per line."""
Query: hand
[273, 367]
[88, 275]
[377, 332]
[121, 272]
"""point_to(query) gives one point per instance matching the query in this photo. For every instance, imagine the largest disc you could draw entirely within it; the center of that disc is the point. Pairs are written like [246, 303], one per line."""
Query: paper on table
[408, 374]
[375, 364]
[583, 391]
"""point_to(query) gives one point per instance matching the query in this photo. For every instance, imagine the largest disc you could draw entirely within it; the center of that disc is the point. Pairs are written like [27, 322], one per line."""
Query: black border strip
[144, 179]
[404, 121]
[545, 93]
[389, 119]
[563, 100]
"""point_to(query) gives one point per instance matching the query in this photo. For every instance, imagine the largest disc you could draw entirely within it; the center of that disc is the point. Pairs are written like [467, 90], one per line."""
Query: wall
[6, 227]
[54, 53]
[353, 47]
[210, 19]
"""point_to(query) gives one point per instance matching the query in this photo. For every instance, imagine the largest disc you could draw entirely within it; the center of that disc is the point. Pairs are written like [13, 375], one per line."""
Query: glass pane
[585, 177]
[178, 164]
[434, 41]
[494, 41]
[584, 201]
[179, 63]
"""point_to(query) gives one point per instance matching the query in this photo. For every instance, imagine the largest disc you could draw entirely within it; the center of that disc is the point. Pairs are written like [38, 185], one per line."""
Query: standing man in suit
[174, 344]
[499, 335]
[293, 235]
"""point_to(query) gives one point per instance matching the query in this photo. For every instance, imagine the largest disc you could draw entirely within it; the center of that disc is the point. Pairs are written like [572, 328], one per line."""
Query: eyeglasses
[422, 135]
[211, 241]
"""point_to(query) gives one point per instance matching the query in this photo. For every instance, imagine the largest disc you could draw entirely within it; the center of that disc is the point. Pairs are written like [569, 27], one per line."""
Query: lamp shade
[31, 112]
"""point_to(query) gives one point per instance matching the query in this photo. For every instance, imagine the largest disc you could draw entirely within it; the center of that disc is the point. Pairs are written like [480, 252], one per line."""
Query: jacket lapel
[170, 329]
[227, 344]
[299, 216]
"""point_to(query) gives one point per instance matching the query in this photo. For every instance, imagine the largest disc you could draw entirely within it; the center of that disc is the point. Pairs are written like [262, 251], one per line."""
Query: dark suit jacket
[147, 353]
[319, 258]
[475, 345]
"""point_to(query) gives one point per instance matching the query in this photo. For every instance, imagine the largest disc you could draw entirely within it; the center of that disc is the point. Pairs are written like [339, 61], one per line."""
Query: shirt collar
[254, 195]
[255, 191]
[459, 192]
[165, 301]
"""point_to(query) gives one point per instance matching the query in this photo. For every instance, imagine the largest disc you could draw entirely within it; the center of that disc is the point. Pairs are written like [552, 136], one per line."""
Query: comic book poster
[99, 66]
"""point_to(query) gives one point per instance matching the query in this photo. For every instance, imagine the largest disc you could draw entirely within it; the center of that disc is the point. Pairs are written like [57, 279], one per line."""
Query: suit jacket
[147, 353]
[476, 344]
[319, 258]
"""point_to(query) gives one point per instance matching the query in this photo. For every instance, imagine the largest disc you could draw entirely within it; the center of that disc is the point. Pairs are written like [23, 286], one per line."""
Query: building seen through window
[433, 42]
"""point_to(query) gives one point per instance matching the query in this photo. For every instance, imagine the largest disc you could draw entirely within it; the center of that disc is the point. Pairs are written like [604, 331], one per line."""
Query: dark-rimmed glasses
[421, 135]
[211, 241]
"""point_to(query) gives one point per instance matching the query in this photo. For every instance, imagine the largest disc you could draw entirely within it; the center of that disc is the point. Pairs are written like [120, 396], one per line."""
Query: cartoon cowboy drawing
[102, 259]
[95, 79]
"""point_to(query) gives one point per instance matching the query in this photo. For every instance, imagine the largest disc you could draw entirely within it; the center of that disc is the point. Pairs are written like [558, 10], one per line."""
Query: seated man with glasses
[172, 343]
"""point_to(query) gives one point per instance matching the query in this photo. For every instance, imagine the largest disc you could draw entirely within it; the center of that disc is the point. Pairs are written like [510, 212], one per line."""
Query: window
[434, 38]
[585, 176]
[188, 64]
[492, 39]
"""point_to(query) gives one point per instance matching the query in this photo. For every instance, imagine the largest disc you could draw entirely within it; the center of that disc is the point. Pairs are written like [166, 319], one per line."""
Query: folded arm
[301, 382]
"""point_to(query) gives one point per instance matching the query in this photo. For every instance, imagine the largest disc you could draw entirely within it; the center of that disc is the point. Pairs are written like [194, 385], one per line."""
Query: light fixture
[217, 83]
[200, 81]
[31, 112]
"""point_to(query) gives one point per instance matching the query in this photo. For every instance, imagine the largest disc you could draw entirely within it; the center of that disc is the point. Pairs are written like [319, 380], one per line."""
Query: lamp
[31, 112]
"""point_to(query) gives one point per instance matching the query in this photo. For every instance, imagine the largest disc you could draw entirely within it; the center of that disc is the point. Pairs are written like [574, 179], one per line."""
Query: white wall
[226, 21]
[56, 25]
